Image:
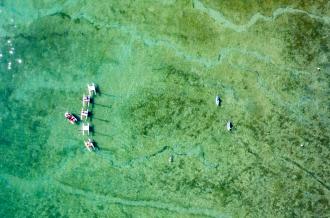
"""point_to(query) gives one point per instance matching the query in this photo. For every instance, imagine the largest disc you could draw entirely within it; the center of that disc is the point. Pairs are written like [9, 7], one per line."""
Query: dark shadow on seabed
[107, 121]
[101, 134]
[91, 117]
[92, 102]
[102, 105]
[91, 129]
[99, 92]
[77, 117]
[96, 145]
[108, 95]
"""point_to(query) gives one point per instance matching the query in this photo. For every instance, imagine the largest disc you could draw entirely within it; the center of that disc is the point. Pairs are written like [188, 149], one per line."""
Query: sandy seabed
[159, 66]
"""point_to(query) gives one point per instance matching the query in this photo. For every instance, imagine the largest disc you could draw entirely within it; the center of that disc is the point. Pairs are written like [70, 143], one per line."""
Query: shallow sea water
[159, 66]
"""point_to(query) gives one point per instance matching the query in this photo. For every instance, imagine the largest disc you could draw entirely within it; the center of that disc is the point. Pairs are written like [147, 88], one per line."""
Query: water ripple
[222, 20]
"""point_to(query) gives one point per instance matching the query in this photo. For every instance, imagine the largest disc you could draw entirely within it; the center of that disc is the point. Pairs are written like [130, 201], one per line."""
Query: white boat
[89, 145]
[229, 126]
[217, 101]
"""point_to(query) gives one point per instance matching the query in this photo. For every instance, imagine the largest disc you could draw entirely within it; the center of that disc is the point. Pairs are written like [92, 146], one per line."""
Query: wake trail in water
[28, 186]
[309, 173]
[196, 152]
[107, 156]
[224, 54]
[222, 20]
[139, 203]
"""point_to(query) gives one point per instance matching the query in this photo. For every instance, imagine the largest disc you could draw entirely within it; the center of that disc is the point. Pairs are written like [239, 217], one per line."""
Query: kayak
[70, 117]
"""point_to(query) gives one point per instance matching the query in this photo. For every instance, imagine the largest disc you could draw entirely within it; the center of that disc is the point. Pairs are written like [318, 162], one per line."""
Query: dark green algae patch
[159, 66]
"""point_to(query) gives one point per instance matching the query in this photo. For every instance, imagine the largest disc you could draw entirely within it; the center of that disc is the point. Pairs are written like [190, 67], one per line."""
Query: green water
[159, 65]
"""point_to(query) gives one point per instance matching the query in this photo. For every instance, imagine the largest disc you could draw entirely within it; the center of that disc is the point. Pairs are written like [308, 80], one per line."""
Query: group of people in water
[84, 113]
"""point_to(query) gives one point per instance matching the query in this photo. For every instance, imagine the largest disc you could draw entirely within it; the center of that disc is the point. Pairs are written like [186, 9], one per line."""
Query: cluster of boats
[89, 143]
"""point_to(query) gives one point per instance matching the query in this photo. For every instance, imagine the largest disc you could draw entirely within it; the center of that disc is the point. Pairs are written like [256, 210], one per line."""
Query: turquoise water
[159, 66]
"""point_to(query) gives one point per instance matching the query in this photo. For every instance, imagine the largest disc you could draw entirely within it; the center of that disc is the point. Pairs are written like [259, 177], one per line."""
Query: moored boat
[89, 145]
[70, 117]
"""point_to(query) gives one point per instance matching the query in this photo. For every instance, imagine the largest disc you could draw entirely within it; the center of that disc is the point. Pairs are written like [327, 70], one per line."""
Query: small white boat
[89, 145]
[217, 100]
[229, 126]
